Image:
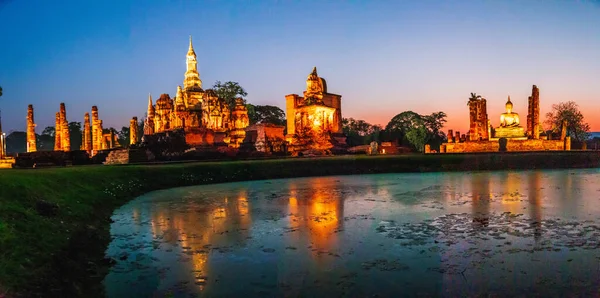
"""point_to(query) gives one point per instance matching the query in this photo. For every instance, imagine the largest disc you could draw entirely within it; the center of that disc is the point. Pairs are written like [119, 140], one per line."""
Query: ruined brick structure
[478, 120]
[194, 109]
[317, 114]
[31, 142]
[133, 130]
[62, 138]
[86, 140]
[265, 137]
[96, 130]
[240, 121]
[483, 137]
[533, 114]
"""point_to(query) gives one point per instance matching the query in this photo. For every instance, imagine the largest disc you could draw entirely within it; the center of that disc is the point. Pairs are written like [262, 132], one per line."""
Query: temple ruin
[509, 135]
[31, 141]
[133, 130]
[86, 140]
[314, 121]
[201, 114]
[62, 138]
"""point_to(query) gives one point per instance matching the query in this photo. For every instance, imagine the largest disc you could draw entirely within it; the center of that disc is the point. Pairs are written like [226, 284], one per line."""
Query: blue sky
[383, 57]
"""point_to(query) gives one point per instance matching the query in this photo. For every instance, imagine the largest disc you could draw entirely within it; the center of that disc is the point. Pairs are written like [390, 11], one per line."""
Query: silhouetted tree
[267, 114]
[577, 128]
[123, 136]
[16, 142]
[49, 130]
[75, 135]
[45, 141]
[360, 132]
[410, 128]
[474, 96]
[229, 91]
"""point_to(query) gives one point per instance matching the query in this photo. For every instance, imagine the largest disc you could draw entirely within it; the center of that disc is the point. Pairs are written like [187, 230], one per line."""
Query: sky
[383, 57]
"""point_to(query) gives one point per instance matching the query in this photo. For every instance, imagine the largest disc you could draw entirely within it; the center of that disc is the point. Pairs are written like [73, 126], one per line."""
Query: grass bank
[54, 222]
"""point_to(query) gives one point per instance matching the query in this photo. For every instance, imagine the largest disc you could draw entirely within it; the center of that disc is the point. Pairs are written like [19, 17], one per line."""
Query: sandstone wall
[125, 156]
[514, 145]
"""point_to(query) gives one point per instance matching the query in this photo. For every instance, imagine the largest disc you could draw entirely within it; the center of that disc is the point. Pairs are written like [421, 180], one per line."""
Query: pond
[432, 234]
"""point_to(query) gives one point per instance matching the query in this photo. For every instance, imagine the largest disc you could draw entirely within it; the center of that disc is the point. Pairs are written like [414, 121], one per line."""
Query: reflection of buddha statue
[509, 119]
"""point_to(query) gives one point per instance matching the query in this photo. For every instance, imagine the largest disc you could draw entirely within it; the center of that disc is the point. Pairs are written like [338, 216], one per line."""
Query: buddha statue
[509, 124]
[315, 86]
[509, 119]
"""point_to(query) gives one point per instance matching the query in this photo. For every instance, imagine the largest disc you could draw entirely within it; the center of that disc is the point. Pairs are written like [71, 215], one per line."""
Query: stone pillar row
[92, 139]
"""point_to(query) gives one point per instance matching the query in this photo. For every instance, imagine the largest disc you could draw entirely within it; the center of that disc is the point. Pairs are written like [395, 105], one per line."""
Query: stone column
[87, 137]
[535, 100]
[427, 149]
[95, 137]
[567, 144]
[450, 136]
[101, 140]
[457, 137]
[31, 144]
[65, 134]
[57, 133]
[133, 130]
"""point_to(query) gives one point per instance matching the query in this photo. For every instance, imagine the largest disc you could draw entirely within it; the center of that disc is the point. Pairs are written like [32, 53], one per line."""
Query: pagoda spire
[150, 106]
[192, 77]
[191, 48]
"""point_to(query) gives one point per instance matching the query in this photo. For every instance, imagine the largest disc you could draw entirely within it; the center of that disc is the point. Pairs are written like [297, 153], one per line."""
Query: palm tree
[474, 97]
[0, 91]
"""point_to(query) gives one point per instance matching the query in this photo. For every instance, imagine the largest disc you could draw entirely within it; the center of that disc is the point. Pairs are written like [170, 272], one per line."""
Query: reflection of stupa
[320, 215]
[197, 231]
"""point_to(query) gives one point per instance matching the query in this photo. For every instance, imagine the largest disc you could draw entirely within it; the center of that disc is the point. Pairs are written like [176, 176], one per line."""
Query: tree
[75, 135]
[141, 128]
[569, 111]
[267, 114]
[434, 124]
[397, 128]
[45, 141]
[0, 91]
[360, 132]
[474, 97]
[49, 131]
[229, 91]
[123, 136]
[418, 137]
[16, 142]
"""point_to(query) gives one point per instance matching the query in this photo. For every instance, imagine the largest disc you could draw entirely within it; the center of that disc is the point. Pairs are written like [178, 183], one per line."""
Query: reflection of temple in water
[223, 223]
[320, 215]
[480, 189]
[535, 203]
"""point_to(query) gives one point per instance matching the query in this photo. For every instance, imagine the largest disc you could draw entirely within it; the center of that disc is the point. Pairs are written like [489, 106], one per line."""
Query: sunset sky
[383, 57]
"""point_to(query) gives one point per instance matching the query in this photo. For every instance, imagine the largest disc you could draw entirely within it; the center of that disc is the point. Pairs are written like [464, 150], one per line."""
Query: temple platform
[512, 145]
[509, 132]
[7, 163]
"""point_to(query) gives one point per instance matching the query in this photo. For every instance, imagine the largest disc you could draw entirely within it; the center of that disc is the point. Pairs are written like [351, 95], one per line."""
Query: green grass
[62, 255]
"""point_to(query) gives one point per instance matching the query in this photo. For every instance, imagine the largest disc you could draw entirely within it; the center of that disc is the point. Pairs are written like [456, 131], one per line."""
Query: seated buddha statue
[509, 119]
[509, 124]
[314, 86]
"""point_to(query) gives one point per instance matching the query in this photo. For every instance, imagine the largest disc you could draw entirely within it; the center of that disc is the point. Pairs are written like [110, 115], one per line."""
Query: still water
[434, 234]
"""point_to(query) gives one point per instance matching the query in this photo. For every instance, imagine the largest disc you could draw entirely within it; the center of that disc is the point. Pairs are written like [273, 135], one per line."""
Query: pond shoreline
[62, 215]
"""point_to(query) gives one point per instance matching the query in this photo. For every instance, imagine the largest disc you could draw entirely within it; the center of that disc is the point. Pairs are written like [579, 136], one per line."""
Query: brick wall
[514, 145]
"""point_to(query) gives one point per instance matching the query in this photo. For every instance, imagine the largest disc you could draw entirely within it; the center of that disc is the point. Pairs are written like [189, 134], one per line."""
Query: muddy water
[434, 234]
